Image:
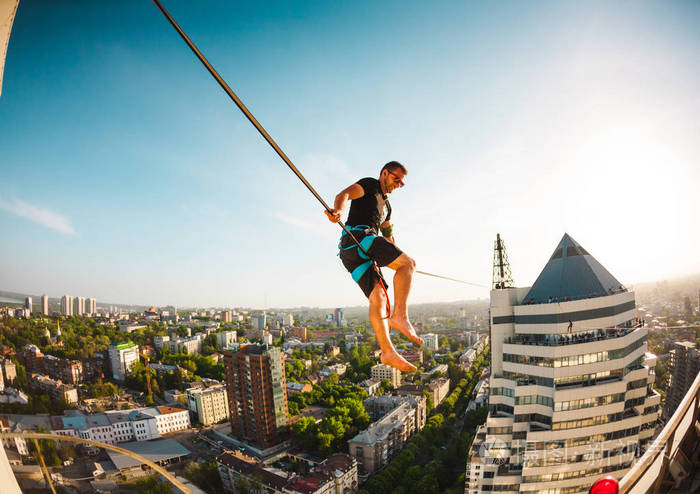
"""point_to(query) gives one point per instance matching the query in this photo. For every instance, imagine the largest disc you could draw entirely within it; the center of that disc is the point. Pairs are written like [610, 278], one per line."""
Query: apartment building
[67, 305]
[121, 357]
[571, 395]
[226, 339]
[209, 403]
[374, 447]
[383, 371]
[257, 394]
[299, 333]
[190, 345]
[683, 367]
[79, 306]
[431, 341]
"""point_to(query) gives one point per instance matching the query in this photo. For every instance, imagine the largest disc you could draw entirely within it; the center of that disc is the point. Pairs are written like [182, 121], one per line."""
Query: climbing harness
[278, 150]
[362, 251]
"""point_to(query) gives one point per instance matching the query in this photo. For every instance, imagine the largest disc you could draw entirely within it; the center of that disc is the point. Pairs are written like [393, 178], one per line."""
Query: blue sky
[126, 173]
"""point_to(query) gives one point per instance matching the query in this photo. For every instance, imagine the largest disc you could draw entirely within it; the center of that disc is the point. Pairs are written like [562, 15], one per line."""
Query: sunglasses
[397, 179]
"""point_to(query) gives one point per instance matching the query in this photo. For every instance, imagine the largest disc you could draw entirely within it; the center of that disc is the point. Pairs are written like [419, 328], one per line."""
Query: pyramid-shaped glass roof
[571, 274]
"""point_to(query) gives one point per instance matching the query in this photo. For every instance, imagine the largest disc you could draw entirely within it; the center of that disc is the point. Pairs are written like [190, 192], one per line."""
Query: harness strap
[364, 246]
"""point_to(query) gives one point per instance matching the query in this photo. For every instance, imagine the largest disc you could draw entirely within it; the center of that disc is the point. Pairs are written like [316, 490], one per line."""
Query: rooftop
[155, 451]
[571, 274]
[379, 430]
[251, 467]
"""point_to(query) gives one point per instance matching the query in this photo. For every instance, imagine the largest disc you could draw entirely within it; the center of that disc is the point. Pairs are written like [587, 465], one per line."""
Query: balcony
[589, 336]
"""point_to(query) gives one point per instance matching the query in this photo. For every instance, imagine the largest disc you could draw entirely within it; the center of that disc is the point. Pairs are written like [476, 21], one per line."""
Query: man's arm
[387, 230]
[355, 191]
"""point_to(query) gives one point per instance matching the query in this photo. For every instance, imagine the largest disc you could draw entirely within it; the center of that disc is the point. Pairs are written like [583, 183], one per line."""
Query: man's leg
[377, 318]
[404, 267]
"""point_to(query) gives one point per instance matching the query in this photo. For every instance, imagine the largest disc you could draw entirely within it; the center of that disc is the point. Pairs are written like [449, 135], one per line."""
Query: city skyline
[128, 175]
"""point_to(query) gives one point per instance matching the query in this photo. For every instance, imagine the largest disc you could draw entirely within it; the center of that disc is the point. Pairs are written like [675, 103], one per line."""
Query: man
[369, 214]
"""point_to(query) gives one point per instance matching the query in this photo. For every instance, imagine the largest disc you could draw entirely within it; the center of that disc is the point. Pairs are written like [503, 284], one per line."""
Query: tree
[305, 431]
[152, 485]
[204, 475]
[324, 443]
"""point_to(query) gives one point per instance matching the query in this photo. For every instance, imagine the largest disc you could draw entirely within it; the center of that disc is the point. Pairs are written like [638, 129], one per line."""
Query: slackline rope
[274, 145]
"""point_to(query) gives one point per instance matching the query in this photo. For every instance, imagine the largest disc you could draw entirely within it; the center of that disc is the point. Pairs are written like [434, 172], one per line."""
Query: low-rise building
[441, 368]
[190, 345]
[168, 418]
[338, 369]
[437, 389]
[54, 388]
[371, 386]
[413, 356]
[160, 341]
[12, 395]
[467, 358]
[294, 387]
[336, 475]
[68, 371]
[132, 425]
[129, 326]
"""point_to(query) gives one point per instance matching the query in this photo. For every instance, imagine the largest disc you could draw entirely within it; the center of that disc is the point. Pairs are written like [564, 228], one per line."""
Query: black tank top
[372, 209]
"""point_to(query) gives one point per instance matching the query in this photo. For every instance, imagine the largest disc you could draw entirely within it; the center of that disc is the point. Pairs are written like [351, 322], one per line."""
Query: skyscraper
[45, 305]
[571, 384]
[257, 394]
[79, 306]
[90, 306]
[28, 303]
[67, 305]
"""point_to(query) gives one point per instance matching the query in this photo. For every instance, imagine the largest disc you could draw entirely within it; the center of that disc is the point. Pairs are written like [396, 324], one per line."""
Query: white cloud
[40, 216]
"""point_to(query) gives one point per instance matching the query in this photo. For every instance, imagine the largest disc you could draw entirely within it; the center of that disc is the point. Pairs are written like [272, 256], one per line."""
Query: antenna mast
[502, 277]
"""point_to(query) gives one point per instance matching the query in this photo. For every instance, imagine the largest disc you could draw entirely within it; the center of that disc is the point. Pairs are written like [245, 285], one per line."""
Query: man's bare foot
[397, 362]
[403, 326]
